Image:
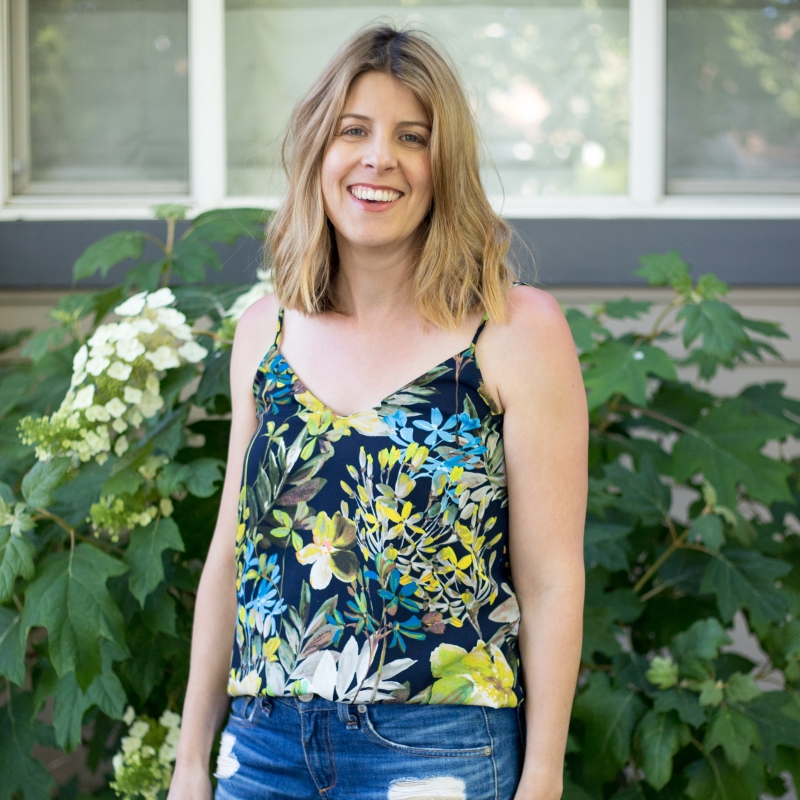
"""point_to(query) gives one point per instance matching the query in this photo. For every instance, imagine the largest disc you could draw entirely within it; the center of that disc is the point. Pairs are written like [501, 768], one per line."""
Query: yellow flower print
[330, 553]
[481, 677]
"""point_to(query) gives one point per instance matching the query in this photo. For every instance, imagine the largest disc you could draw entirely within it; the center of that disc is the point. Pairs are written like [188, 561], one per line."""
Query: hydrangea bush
[113, 436]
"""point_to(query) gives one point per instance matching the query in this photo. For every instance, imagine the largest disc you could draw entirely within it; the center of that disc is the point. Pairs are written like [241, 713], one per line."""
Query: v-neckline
[337, 415]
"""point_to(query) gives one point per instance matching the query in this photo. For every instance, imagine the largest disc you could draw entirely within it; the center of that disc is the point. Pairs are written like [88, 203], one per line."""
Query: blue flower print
[266, 602]
[401, 434]
[437, 430]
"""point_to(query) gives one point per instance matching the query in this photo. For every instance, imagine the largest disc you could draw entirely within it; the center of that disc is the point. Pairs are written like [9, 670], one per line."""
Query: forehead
[376, 94]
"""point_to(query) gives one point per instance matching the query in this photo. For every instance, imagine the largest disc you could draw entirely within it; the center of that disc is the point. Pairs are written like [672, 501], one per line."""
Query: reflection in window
[100, 96]
[549, 82]
[733, 96]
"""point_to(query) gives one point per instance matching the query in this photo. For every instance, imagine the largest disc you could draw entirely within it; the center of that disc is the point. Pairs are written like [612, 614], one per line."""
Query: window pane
[100, 96]
[549, 80]
[733, 96]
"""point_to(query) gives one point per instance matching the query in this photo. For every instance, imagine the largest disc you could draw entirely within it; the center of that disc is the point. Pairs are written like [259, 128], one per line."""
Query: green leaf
[659, 740]
[619, 368]
[777, 716]
[663, 672]
[598, 632]
[768, 399]
[712, 778]
[626, 308]
[610, 716]
[12, 647]
[70, 703]
[710, 693]
[40, 344]
[216, 378]
[682, 701]
[735, 733]
[604, 544]
[21, 775]
[585, 330]
[641, 493]
[42, 480]
[199, 477]
[191, 257]
[666, 269]
[70, 599]
[144, 555]
[710, 286]
[107, 252]
[228, 224]
[741, 688]
[725, 445]
[10, 339]
[746, 579]
[16, 560]
[702, 640]
[719, 326]
[707, 530]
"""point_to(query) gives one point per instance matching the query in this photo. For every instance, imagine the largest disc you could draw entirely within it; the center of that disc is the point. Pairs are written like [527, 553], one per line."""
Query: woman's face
[376, 176]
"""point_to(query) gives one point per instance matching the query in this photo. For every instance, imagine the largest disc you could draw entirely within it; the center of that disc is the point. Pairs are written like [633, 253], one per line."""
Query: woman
[394, 563]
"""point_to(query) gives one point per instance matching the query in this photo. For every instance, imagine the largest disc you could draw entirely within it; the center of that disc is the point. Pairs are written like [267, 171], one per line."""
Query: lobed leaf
[12, 646]
[105, 253]
[16, 560]
[22, 775]
[69, 597]
[659, 740]
[143, 555]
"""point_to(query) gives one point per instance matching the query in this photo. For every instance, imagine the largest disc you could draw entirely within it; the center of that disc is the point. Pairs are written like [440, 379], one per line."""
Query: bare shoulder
[255, 332]
[532, 349]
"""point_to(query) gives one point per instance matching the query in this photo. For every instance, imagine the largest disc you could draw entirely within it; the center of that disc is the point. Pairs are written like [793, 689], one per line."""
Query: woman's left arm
[537, 377]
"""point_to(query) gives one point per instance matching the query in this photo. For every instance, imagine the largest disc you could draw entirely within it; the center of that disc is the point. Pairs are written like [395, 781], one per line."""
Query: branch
[675, 545]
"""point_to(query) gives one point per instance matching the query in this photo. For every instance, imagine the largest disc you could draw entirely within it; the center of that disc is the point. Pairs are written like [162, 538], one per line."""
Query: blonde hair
[462, 263]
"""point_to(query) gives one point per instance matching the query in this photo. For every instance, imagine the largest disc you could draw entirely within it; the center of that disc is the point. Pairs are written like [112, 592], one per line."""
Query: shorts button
[362, 709]
[487, 751]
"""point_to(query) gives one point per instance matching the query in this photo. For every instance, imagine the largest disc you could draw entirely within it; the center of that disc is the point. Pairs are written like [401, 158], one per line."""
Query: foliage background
[90, 623]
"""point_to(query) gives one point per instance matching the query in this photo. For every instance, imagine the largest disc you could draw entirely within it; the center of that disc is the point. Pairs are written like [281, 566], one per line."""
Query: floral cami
[372, 549]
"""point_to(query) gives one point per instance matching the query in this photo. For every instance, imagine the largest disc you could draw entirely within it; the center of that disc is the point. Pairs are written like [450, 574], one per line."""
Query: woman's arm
[537, 377]
[206, 704]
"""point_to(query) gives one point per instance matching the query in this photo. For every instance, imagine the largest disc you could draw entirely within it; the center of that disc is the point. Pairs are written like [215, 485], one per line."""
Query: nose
[379, 154]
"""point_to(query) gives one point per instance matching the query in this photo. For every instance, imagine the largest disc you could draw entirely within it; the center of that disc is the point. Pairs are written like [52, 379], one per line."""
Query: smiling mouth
[375, 196]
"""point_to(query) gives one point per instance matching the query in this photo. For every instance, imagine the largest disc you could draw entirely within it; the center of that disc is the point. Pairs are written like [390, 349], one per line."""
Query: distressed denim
[289, 749]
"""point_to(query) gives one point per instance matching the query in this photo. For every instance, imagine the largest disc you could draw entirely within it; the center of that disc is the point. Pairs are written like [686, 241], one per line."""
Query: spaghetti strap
[279, 328]
[484, 320]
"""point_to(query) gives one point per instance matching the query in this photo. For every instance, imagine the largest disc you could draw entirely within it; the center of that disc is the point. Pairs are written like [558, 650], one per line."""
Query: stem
[168, 249]
[675, 545]
[661, 417]
[60, 521]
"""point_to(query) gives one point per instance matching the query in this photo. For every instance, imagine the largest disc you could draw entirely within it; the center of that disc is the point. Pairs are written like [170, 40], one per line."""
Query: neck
[374, 281]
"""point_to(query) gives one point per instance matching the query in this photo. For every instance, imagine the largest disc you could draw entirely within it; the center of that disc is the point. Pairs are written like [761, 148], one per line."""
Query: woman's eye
[412, 138]
[352, 132]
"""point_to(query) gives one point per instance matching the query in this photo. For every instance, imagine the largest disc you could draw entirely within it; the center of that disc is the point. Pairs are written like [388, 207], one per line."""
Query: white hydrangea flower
[152, 384]
[150, 404]
[130, 349]
[119, 371]
[132, 395]
[123, 330]
[129, 716]
[192, 352]
[81, 357]
[183, 332]
[102, 334]
[84, 397]
[139, 729]
[135, 418]
[97, 413]
[163, 358]
[95, 366]
[116, 407]
[100, 350]
[133, 306]
[144, 325]
[169, 719]
[170, 317]
[121, 446]
[130, 744]
[119, 425]
[160, 298]
[256, 292]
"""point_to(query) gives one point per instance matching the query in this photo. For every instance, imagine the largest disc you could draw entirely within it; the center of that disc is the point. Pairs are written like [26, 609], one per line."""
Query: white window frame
[646, 196]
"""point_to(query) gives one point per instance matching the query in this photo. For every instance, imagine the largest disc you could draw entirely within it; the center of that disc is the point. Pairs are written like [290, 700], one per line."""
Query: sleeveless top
[372, 549]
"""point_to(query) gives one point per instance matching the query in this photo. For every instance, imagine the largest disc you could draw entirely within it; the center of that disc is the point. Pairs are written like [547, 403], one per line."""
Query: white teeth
[376, 195]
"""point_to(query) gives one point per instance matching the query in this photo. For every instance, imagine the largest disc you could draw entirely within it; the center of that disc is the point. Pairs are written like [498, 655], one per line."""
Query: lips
[372, 194]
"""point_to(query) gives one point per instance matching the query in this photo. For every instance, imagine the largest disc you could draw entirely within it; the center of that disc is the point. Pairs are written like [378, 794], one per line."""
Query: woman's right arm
[206, 700]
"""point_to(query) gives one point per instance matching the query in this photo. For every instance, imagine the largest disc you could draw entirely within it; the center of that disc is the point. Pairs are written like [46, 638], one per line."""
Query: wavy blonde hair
[462, 260]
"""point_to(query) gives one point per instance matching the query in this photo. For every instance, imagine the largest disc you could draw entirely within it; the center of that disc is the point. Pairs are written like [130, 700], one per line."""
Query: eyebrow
[399, 124]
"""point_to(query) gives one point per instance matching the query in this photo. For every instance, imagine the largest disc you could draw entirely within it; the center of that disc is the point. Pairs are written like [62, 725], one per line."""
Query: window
[588, 108]
[549, 82]
[99, 93]
[733, 96]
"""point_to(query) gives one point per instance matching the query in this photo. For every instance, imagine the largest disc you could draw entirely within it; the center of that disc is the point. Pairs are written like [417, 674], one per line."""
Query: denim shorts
[289, 749]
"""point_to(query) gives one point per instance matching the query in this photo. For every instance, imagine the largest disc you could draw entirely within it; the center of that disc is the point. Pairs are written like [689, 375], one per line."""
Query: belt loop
[346, 716]
[267, 704]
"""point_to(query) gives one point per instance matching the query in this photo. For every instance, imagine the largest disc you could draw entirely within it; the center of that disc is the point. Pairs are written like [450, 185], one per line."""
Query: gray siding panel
[568, 252]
